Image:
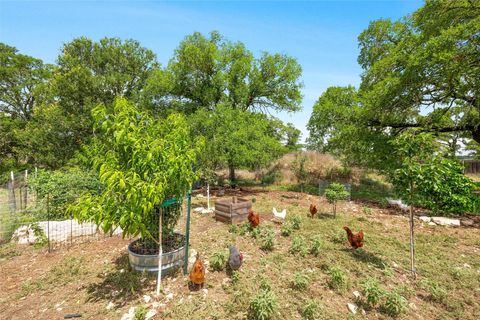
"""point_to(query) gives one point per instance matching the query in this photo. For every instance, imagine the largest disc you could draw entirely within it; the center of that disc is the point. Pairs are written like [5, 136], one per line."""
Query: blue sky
[322, 35]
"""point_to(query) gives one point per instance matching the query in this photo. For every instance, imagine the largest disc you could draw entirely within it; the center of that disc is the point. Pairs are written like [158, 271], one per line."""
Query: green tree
[140, 162]
[206, 72]
[87, 73]
[20, 77]
[334, 193]
[235, 138]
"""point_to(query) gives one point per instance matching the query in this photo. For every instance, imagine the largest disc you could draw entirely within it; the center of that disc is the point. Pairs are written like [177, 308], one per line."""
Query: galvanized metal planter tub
[170, 260]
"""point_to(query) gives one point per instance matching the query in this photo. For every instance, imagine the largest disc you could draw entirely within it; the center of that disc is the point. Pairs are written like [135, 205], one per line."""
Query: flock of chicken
[235, 259]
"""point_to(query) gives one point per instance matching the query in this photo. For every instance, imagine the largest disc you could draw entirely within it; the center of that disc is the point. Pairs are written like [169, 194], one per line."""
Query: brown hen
[355, 240]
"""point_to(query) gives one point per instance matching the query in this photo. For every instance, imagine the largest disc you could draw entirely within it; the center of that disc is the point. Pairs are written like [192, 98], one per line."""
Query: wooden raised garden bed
[232, 210]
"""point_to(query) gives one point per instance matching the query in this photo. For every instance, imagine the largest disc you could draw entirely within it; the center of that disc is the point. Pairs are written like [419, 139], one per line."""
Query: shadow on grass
[119, 285]
[324, 216]
[367, 257]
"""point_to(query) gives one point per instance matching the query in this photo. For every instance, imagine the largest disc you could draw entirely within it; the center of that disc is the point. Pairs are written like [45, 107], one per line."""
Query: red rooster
[313, 210]
[253, 218]
[355, 240]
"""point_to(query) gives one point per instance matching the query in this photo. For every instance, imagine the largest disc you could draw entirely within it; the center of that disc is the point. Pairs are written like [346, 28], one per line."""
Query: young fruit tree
[335, 192]
[426, 179]
[141, 162]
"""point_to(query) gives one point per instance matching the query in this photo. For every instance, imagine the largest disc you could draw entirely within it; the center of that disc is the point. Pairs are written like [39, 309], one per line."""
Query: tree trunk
[231, 169]
[412, 239]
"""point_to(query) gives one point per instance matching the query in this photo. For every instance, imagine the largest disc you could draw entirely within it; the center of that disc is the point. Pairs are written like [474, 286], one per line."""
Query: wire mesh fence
[30, 218]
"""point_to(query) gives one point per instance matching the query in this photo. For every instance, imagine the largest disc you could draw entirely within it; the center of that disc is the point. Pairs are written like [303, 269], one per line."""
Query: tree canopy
[420, 72]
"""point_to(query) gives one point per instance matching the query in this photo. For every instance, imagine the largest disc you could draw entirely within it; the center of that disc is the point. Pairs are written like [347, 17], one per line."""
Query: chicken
[355, 240]
[281, 215]
[253, 218]
[236, 258]
[313, 210]
[197, 274]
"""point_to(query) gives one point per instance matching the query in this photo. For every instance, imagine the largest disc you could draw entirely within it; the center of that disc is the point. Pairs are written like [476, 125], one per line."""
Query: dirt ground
[94, 279]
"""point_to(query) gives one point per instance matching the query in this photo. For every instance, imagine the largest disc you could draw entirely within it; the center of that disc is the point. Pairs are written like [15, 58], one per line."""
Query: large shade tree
[419, 72]
[205, 72]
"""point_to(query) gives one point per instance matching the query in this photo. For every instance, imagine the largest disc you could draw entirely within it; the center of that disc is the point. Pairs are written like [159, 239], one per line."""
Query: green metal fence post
[187, 234]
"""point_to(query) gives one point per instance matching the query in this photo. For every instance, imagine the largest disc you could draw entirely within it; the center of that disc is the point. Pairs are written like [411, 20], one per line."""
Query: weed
[233, 228]
[255, 232]
[367, 210]
[296, 222]
[311, 310]
[300, 281]
[140, 312]
[298, 246]
[243, 229]
[437, 293]
[218, 261]
[395, 304]
[406, 291]
[268, 240]
[286, 229]
[316, 245]
[235, 278]
[338, 279]
[41, 239]
[263, 305]
[338, 237]
[372, 291]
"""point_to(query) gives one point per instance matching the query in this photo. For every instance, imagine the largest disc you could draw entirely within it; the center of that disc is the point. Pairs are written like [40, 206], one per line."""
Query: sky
[321, 35]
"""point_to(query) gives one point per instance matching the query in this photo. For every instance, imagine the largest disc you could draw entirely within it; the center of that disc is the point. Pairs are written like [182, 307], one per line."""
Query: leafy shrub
[41, 239]
[298, 246]
[271, 177]
[286, 229]
[394, 304]
[300, 281]
[268, 240]
[372, 291]
[218, 261]
[311, 310]
[316, 245]
[61, 188]
[334, 193]
[296, 222]
[338, 279]
[263, 305]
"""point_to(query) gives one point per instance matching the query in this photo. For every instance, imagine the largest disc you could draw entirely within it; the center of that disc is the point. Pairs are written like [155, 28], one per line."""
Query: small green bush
[316, 245]
[263, 305]
[298, 247]
[268, 240]
[372, 292]
[311, 310]
[395, 304]
[255, 232]
[338, 279]
[41, 239]
[218, 261]
[300, 281]
[334, 193]
[286, 229]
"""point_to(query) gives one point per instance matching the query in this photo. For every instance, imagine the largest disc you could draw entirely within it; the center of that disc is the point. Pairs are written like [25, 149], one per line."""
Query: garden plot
[94, 279]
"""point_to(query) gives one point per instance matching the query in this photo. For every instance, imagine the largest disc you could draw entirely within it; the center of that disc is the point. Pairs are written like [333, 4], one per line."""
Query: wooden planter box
[232, 210]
